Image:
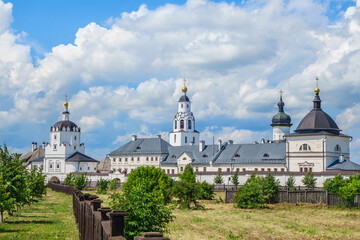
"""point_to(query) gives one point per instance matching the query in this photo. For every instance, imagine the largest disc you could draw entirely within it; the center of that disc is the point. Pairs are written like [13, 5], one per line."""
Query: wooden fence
[303, 196]
[96, 222]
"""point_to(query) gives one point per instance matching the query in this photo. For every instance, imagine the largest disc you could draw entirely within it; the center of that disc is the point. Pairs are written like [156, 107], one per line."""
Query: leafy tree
[334, 184]
[270, 186]
[188, 175]
[348, 191]
[112, 184]
[207, 191]
[251, 194]
[70, 179]
[103, 185]
[147, 210]
[81, 181]
[309, 180]
[153, 179]
[290, 182]
[6, 202]
[218, 178]
[36, 182]
[235, 178]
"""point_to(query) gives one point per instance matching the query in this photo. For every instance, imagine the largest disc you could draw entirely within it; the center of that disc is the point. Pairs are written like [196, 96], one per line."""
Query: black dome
[66, 124]
[184, 98]
[281, 119]
[317, 120]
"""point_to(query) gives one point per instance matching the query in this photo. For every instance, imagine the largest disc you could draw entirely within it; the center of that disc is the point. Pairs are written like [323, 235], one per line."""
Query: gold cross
[65, 98]
[317, 81]
[281, 92]
[184, 81]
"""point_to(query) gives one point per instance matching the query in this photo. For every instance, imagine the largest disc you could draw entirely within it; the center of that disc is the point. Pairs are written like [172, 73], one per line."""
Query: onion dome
[317, 120]
[281, 119]
[184, 98]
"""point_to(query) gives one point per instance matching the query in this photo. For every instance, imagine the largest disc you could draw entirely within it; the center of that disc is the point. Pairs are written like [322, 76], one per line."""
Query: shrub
[334, 184]
[102, 185]
[347, 192]
[70, 179]
[235, 178]
[152, 179]
[309, 180]
[207, 191]
[147, 210]
[188, 175]
[188, 194]
[251, 194]
[290, 182]
[218, 178]
[81, 181]
[112, 184]
[270, 186]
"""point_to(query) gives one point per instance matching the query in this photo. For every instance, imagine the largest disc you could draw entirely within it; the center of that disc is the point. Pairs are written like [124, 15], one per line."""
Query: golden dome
[66, 104]
[317, 90]
[184, 89]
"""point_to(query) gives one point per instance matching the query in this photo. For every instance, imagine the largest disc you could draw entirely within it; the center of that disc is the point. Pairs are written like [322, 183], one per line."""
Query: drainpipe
[287, 156]
[323, 142]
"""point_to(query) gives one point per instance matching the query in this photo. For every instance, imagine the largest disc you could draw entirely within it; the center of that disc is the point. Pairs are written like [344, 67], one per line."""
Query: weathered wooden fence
[96, 222]
[224, 187]
[302, 196]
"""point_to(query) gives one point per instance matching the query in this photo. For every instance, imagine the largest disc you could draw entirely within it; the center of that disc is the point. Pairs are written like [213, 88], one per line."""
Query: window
[305, 147]
[75, 138]
[126, 160]
[187, 105]
[204, 169]
[152, 159]
[337, 148]
[138, 159]
[256, 169]
[94, 168]
[50, 166]
[81, 168]
[88, 168]
[182, 105]
[185, 139]
[228, 169]
[205, 155]
[132, 159]
[184, 158]
[174, 138]
[275, 169]
[172, 171]
[301, 169]
[193, 139]
[54, 137]
[58, 165]
[310, 169]
[168, 171]
[266, 155]
[197, 169]
[269, 169]
[263, 169]
[173, 156]
[147, 159]
[175, 124]
[74, 147]
[237, 155]
[156, 159]
[282, 169]
[181, 169]
[181, 124]
[238, 169]
[305, 169]
[114, 159]
[189, 124]
[120, 160]
[244, 169]
[55, 147]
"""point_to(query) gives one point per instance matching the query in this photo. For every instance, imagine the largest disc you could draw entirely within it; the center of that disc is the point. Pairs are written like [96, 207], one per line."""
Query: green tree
[112, 184]
[218, 178]
[6, 202]
[153, 179]
[270, 186]
[102, 185]
[36, 182]
[147, 210]
[207, 191]
[81, 181]
[290, 182]
[70, 179]
[188, 175]
[188, 194]
[348, 191]
[309, 180]
[235, 178]
[251, 194]
[333, 185]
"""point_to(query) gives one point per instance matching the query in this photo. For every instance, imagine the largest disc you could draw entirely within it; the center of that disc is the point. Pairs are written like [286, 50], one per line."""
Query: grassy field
[50, 218]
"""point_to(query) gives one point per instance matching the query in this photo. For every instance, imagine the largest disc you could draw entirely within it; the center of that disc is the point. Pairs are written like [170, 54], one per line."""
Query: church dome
[317, 120]
[66, 124]
[184, 98]
[281, 118]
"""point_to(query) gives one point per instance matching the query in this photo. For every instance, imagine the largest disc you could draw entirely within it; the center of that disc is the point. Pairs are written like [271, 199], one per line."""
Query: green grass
[50, 218]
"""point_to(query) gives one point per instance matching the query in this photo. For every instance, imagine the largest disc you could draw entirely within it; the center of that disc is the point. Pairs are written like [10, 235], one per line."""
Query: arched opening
[337, 148]
[305, 147]
[54, 179]
[189, 124]
[175, 124]
[181, 124]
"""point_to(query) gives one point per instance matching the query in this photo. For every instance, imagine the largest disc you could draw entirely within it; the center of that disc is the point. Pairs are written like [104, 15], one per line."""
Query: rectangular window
[126, 160]
[152, 159]
[269, 169]
[263, 169]
[132, 159]
[168, 171]
[94, 168]
[228, 169]
[282, 169]
[238, 169]
[88, 168]
[80, 168]
[55, 147]
[256, 169]
[185, 139]
[114, 159]
[310, 169]
[138, 159]
[301, 169]
[275, 169]
[181, 169]
[244, 169]
[57, 165]
[204, 169]
[120, 160]
[172, 171]
[147, 159]
[197, 169]
[305, 169]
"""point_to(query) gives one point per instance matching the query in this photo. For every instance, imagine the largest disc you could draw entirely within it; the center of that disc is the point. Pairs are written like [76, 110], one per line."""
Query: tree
[36, 182]
[152, 178]
[251, 194]
[112, 184]
[207, 191]
[218, 178]
[147, 210]
[103, 185]
[188, 175]
[6, 202]
[270, 186]
[348, 191]
[333, 185]
[309, 180]
[70, 179]
[81, 181]
[235, 178]
[290, 182]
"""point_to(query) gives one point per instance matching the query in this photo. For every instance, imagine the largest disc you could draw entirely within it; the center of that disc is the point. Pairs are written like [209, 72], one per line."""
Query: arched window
[337, 148]
[175, 124]
[305, 147]
[266, 155]
[181, 124]
[189, 124]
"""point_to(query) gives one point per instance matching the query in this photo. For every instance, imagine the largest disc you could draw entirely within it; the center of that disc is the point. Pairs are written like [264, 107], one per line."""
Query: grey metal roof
[80, 157]
[345, 165]
[143, 146]
[66, 124]
[184, 98]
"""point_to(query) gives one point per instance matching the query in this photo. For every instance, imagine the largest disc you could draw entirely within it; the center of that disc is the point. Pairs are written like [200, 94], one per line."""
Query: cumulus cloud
[90, 123]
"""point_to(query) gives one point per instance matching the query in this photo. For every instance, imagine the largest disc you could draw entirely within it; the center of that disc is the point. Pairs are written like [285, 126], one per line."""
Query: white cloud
[90, 123]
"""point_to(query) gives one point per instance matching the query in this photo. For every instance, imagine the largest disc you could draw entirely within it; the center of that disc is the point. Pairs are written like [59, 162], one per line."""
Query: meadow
[52, 218]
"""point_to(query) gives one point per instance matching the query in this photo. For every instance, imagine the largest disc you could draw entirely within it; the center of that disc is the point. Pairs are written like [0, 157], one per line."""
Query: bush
[290, 182]
[270, 187]
[152, 179]
[147, 210]
[103, 185]
[333, 185]
[70, 179]
[235, 178]
[188, 194]
[218, 178]
[309, 180]
[251, 194]
[207, 191]
[81, 181]
[348, 191]
[112, 184]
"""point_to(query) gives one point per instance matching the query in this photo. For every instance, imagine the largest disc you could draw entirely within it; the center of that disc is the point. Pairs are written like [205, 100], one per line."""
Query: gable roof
[345, 165]
[80, 157]
[37, 155]
[143, 145]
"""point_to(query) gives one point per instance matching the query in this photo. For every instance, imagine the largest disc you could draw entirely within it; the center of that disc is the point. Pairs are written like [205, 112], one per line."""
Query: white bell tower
[184, 132]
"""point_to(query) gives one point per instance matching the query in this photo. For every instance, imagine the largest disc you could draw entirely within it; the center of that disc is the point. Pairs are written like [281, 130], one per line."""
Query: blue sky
[121, 63]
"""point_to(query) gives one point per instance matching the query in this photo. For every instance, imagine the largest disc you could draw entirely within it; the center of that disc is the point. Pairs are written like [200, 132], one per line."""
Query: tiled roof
[37, 155]
[79, 157]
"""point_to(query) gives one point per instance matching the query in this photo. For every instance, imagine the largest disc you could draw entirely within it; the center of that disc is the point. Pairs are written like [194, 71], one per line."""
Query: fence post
[96, 204]
[151, 235]
[103, 212]
[226, 196]
[117, 223]
[287, 195]
[327, 197]
[306, 196]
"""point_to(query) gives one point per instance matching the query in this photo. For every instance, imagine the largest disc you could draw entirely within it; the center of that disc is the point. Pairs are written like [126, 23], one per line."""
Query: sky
[121, 63]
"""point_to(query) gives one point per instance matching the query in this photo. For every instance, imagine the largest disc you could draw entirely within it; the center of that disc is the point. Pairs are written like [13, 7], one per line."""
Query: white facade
[279, 132]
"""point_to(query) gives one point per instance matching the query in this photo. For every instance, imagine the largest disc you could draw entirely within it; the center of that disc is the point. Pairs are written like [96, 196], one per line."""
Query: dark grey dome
[281, 118]
[66, 124]
[184, 98]
[317, 120]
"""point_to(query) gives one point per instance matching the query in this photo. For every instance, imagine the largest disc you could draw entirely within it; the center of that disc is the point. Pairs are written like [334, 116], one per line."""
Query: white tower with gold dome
[184, 132]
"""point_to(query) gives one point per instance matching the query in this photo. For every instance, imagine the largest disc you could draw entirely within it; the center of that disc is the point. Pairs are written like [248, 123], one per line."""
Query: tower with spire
[281, 122]
[184, 132]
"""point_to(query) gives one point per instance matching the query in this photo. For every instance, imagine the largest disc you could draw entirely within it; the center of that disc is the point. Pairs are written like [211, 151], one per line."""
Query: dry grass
[279, 221]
